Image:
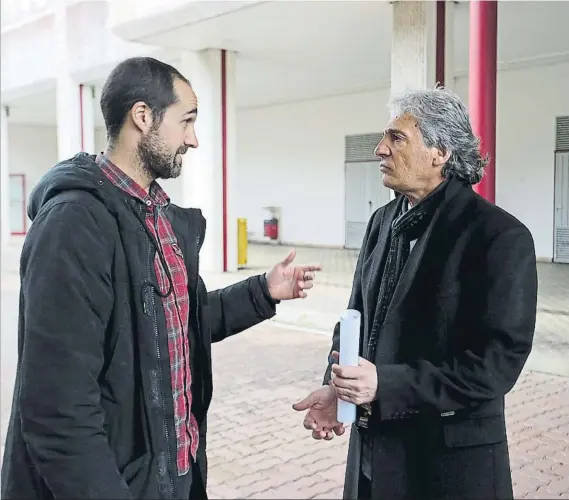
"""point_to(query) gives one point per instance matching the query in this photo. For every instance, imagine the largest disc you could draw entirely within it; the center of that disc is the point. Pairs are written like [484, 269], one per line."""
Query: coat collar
[454, 190]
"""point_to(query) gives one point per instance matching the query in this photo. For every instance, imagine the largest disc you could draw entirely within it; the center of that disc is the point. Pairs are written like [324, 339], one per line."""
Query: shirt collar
[155, 196]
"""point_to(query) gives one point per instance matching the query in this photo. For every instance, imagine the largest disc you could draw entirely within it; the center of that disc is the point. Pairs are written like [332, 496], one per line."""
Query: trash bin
[271, 224]
[271, 228]
[241, 242]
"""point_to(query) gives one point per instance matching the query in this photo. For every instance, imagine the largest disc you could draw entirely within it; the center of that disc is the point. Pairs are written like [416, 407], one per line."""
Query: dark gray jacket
[455, 339]
[92, 413]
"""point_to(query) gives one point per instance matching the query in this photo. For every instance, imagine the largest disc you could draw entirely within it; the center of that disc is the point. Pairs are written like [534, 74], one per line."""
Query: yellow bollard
[241, 242]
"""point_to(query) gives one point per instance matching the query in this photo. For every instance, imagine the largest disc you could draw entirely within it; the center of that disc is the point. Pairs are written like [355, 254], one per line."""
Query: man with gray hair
[446, 284]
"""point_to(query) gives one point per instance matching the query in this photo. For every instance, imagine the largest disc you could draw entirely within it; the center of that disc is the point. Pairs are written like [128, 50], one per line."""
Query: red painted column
[482, 86]
[224, 152]
[441, 42]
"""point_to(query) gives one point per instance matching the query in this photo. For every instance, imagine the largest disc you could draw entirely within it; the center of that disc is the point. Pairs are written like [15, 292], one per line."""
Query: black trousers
[190, 486]
[364, 487]
[184, 485]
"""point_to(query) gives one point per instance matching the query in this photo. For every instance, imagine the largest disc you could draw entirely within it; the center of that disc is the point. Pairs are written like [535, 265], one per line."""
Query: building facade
[292, 99]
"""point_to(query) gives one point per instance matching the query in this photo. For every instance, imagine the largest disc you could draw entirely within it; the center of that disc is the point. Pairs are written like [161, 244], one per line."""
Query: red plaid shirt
[176, 307]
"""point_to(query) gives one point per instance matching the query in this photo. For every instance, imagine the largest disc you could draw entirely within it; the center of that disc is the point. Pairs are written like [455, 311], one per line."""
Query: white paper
[349, 356]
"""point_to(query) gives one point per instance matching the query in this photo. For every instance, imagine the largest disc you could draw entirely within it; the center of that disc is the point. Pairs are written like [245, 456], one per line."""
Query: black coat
[92, 413]
[455, 339]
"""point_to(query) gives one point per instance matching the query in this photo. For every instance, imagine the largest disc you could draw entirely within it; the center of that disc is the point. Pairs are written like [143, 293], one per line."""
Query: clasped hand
[355, 384]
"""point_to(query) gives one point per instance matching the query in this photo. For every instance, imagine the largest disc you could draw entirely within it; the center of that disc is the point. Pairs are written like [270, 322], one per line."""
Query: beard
[156, 160]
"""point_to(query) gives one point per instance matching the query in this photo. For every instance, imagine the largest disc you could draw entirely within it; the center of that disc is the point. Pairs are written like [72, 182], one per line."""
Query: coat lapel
[416, 257]
[372, 269]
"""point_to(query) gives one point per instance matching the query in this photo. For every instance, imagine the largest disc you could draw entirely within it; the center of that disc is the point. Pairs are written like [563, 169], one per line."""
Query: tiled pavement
[537, 408]
[259, 449]
[332, 290]
[339, 265]
[257, 445]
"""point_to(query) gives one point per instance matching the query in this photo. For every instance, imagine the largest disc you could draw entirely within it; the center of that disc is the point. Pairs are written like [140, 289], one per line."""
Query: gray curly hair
[444, 122]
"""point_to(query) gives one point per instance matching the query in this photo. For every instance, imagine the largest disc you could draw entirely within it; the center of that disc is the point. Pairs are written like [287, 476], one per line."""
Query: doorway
[561, 200]
[561, 191]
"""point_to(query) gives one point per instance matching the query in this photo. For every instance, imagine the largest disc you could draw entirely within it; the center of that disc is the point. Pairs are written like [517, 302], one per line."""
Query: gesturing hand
[355, 384]
[287, 281]
[321, 417]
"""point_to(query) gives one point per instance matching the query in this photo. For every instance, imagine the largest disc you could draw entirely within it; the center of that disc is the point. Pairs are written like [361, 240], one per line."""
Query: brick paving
[320, 310]
[339, 265]
[257, 445]
[259, 449]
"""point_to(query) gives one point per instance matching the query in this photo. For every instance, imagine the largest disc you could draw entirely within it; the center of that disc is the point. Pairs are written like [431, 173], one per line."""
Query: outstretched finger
[305, 403]
[311, 267]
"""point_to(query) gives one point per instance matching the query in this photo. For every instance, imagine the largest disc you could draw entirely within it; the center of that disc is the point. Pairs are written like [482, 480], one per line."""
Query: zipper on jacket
[160, 374]
[145, 301]
[198, 322]
[198, 284]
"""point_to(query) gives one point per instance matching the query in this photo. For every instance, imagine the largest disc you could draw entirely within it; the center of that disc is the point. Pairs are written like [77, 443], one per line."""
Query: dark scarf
[406, 227]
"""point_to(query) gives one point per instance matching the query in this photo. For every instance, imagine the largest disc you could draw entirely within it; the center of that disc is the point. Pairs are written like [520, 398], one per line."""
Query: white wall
[292, 156]
[100, 140]
[527, 103]
[33, 151]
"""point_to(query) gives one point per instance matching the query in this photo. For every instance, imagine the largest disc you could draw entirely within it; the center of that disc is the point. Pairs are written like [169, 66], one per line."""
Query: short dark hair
[137, 79]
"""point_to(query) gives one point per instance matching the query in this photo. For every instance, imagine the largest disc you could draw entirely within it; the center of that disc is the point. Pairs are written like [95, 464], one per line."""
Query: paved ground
[257, 445]
[321, 309]
[259, 449]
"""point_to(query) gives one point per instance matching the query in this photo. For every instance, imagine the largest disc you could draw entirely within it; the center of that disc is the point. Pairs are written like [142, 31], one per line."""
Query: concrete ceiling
[40, 109]
[36, 109]
[298, 50]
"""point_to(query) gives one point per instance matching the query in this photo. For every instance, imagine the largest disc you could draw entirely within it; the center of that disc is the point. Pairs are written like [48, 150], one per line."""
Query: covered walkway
[281, 110]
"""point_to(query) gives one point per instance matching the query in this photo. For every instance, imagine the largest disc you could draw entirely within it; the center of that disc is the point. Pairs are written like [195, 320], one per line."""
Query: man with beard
[446, 284]
[114, 373]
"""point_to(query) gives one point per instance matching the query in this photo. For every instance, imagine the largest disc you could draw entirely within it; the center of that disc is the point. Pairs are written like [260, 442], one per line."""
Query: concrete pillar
[482, 76]
[413, 50]
[209, 172]
[414, 47]
[5, 180]
[87, 118]
[450, 78]
[68, 112]
[67, 91]
[444, 72]
[75, 102]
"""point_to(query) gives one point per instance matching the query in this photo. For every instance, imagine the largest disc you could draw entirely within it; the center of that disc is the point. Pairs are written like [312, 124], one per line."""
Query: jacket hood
[80, 172]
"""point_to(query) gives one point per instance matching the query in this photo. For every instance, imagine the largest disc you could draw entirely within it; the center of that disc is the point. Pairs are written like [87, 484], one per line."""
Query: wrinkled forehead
[404, 124]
